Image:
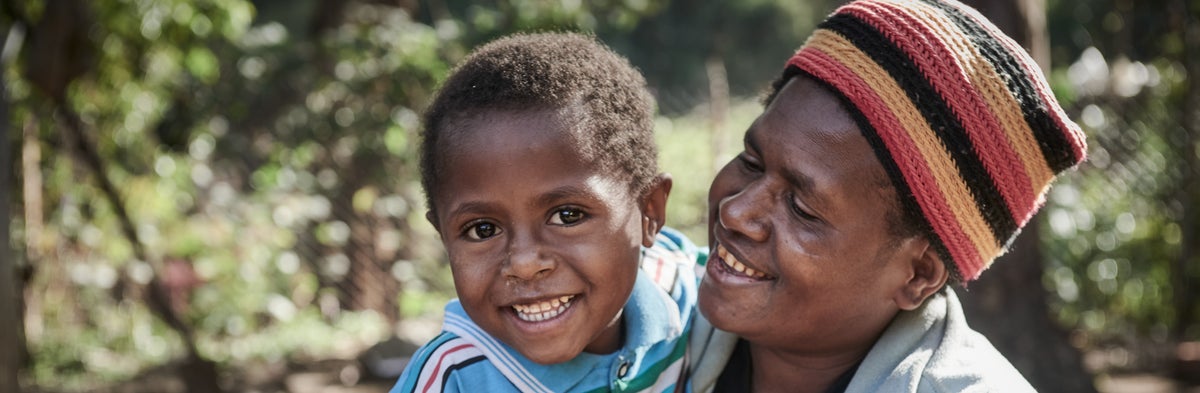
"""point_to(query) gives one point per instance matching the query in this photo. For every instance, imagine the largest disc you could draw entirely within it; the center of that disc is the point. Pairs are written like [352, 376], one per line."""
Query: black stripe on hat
[1056, 150]
[937, 114]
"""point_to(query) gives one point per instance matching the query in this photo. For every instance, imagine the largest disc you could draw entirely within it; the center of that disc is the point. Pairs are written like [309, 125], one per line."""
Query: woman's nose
[746, 213]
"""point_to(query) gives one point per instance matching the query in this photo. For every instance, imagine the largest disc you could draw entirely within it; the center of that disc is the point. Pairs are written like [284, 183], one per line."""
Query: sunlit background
[222, 195]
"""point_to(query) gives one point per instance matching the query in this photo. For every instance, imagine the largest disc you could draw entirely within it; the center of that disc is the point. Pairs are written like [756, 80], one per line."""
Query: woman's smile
[729, 264]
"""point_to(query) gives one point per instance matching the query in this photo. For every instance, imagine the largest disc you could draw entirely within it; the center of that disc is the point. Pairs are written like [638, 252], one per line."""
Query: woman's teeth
[737, 266]
[537, 312]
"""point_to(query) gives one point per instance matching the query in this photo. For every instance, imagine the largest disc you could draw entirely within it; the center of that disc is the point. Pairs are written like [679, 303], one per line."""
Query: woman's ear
[929, 275]
[654, 207]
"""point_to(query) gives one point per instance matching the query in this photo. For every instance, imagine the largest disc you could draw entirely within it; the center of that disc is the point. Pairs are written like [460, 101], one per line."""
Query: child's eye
[482, 231]
[566, 216]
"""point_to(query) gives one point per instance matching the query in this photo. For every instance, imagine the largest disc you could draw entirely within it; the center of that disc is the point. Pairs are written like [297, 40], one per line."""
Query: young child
[539, 165]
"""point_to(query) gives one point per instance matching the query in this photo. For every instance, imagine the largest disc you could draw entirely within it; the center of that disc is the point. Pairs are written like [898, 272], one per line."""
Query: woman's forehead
[817, 146]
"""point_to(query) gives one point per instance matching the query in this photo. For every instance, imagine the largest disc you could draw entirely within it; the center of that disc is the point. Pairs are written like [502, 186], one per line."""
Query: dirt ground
[342, 376]
[1134, 383]
[351, 376]
[1142, 383]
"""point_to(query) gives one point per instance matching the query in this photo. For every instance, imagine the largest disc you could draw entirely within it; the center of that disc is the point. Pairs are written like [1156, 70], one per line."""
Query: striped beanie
[958, 114]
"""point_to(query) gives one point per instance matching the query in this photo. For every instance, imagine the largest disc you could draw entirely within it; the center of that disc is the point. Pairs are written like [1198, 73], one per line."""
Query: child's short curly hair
[606, 97]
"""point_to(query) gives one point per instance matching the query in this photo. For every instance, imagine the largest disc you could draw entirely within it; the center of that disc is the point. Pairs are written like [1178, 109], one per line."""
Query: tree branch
[85, 153]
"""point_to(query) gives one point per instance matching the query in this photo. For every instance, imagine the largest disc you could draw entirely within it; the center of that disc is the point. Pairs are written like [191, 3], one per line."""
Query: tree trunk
[1183, 270]
[1008, 306]
[369, 284]
[9, 335]
[1008, 303]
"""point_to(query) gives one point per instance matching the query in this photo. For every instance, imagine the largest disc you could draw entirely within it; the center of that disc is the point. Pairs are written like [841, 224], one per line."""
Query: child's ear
[928, 275]
[654, 207]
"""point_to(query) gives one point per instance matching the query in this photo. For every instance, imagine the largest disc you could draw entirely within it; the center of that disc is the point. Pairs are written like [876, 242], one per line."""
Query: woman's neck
[785, 371]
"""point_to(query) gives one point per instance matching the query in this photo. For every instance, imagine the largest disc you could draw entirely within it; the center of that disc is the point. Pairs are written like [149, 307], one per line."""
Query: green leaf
[202, 64]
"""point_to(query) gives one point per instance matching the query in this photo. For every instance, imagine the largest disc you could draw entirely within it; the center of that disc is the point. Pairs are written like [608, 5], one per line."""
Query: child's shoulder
[673, 256]
[436, 363]
[672, 239]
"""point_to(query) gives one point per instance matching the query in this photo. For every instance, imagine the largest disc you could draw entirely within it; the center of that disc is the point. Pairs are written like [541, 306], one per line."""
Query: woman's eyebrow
[750, 142]
[806, 187]
[802, 183]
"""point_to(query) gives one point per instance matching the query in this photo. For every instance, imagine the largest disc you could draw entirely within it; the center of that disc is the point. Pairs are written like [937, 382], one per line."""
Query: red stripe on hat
[916, 174]
[1073, 133]
[938, 63]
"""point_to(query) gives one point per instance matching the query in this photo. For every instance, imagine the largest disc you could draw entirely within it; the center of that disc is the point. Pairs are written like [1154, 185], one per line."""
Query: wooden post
[718, 109]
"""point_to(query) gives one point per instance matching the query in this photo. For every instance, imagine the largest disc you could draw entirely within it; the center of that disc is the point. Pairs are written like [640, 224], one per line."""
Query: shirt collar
[650, 317]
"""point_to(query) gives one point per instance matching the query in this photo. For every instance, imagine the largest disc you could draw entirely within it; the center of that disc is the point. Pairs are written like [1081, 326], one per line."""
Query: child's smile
[544, 310]
[544, 245]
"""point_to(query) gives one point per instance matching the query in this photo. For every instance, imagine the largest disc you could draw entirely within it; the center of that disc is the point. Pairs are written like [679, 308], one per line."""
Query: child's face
[543, 246]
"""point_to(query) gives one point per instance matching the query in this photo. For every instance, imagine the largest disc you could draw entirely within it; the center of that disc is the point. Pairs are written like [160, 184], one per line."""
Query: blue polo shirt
[464, 358]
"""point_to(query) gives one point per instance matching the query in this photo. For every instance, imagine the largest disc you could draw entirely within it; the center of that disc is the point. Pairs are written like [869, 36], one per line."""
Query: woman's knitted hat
[960, 116]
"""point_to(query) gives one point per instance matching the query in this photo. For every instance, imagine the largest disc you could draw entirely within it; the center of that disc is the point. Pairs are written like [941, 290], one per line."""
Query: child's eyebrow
[472, 207]
[566, 192]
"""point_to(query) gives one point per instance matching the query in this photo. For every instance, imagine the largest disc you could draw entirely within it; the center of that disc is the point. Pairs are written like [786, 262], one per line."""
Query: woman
[904, 145]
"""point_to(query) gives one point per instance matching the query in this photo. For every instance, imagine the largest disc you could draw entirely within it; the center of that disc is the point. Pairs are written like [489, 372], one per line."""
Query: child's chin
[545, 358]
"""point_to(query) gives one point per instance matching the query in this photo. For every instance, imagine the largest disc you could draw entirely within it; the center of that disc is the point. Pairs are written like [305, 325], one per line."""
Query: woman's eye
[800, 212]
[749, 163]
[566, 217]
[482, 231]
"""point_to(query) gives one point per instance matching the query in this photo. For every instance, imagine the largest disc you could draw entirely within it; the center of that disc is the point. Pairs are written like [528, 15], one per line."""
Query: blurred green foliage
[1122, 239]
[265, 151]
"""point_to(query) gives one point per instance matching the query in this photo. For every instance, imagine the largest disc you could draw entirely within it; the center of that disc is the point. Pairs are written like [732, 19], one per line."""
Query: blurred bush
[263, 203]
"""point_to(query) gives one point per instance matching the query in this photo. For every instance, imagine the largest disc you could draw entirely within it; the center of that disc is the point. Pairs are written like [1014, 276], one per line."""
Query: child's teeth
[542, 311]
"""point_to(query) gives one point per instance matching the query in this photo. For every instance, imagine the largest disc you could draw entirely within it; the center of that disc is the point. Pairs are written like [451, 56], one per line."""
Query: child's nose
[527, 259]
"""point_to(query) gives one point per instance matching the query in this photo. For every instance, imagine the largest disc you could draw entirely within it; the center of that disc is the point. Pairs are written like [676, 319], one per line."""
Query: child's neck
[610, 339]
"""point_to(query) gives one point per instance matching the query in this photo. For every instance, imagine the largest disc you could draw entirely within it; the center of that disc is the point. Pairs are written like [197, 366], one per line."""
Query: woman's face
[801, 255]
